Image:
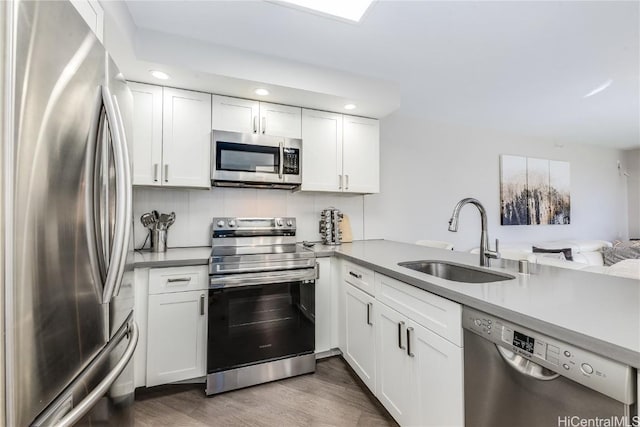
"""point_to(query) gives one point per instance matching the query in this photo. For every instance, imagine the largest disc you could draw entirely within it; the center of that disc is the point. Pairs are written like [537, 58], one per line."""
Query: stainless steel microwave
[253, 160]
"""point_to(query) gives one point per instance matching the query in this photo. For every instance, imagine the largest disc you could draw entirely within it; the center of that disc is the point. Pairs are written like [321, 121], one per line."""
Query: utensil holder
[158, 240]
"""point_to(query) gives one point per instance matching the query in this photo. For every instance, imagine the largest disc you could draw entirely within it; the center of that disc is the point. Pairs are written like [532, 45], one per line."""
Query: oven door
[260, 317]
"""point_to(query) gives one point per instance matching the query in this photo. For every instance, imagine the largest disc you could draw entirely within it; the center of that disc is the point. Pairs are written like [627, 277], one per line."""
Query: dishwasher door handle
[525, 366]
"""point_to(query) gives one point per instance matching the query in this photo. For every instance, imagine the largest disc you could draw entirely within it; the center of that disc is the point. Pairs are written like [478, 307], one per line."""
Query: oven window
[259, 323]
[247, 158]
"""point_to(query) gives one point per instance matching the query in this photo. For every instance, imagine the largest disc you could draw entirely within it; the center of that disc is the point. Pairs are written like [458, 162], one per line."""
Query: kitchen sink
[455, 272]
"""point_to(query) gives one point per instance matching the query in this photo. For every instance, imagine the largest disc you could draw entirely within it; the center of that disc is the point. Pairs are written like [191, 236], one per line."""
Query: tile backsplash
[195, 208]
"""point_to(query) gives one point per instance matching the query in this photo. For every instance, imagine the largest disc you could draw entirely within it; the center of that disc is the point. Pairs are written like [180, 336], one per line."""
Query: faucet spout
[485, 252]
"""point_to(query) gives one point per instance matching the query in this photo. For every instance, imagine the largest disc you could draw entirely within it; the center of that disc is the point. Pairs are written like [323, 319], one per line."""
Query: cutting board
[345, 228]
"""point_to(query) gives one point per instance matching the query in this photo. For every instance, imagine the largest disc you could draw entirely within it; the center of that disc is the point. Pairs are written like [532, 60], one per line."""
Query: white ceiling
[516, 66]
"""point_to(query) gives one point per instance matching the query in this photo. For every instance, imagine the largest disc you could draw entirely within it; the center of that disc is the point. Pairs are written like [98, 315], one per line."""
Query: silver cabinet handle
[264, 124]
[400, 326]
[156, 168]
[255, 124]
[281, 168]
[102, 388]
[356, 275]
[166, 172]
[409, 331]
[179, 280]
[346, 186]
[339, 182]
[369, 306]
[202, 305]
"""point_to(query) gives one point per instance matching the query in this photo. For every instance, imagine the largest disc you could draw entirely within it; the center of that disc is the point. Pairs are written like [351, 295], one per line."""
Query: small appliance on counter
[158, 225]
[330, 226]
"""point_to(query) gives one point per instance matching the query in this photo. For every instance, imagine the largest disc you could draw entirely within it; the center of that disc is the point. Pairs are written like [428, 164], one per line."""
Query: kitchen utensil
[155, 214]
[148, 220]
[158, 240]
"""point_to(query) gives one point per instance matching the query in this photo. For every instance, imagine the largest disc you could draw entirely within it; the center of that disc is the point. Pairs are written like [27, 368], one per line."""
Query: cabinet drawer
[360, 277]
[435, 313]
[178, 279]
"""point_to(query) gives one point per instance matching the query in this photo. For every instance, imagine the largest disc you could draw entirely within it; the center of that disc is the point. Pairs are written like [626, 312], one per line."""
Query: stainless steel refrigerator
[66, 212]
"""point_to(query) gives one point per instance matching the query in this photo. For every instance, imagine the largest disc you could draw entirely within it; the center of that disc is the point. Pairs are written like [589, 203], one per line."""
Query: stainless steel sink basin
[455, 272]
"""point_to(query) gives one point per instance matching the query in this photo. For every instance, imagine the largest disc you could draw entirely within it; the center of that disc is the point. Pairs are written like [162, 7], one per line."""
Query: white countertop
[597, 312]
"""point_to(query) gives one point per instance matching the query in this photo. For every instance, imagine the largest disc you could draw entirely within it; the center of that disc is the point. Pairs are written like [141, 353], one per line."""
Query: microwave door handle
[281, 169]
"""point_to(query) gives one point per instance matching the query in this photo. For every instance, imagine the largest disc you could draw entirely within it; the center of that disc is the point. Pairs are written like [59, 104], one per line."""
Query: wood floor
[332, 396]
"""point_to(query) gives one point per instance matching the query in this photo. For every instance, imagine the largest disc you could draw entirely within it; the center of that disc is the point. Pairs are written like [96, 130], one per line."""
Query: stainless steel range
[261, 303]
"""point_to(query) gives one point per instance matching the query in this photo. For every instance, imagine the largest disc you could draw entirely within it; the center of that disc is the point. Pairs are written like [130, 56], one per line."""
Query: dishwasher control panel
[591, 370]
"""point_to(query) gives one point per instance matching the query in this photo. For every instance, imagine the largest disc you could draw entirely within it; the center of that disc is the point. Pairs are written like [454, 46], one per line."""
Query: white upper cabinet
[340, 153]
[171, 136]
[361, 155]
[235, 114]
[93, 14]
[186, 136]
[280, 120]
[244, 115]
[321, 151]
[147, 134]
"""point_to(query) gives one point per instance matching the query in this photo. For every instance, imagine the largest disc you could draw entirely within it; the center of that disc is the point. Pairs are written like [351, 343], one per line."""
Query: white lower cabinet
[359, 349]
[177, 324]
[394, 374]
[438, 373]
[323, 304]
[177, 337]
[415, 373]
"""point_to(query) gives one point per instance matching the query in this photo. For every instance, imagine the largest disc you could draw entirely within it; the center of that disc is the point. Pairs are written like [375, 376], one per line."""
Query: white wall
[195, 208]
[427, 168]
[632, 158]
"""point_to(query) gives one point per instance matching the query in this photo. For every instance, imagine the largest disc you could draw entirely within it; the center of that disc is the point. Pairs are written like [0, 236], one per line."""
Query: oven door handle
[255, 279]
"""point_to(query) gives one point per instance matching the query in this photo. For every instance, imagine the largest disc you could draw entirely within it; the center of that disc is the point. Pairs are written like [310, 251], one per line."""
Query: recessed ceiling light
[599, 89]
[353, 10]
[261, 92]
[159, 74]
[350, 107]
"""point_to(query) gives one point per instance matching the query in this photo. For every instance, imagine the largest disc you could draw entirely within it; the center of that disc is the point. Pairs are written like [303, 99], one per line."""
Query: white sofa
[586, 254]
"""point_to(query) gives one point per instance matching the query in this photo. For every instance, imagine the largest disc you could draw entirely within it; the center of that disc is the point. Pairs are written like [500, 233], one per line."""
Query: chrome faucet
[485, 252]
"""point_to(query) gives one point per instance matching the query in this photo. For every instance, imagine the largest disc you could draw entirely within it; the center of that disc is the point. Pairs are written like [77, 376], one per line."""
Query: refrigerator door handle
[84, 406]
[118, 253]
[128, 196]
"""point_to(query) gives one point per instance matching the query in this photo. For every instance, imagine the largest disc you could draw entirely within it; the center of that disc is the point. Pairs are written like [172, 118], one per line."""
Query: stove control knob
[290, 223]
[279, 223]
[232, 223]
[221, 223]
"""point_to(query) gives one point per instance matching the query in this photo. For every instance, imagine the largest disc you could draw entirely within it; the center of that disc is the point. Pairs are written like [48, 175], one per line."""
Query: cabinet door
[394, 376]
[235, 114]
[361, 155]
[186, 138]
[280, 120]
[323, 305]
[360, 335]
[147, 133]
[176, 337]
[438, 373]
[322, 151]
[93, 15]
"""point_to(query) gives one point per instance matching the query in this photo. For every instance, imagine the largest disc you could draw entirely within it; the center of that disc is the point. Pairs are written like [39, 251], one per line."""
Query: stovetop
[256, 244]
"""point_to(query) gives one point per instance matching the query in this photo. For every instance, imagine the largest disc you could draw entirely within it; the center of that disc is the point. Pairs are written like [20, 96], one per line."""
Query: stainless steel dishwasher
[516, 377]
